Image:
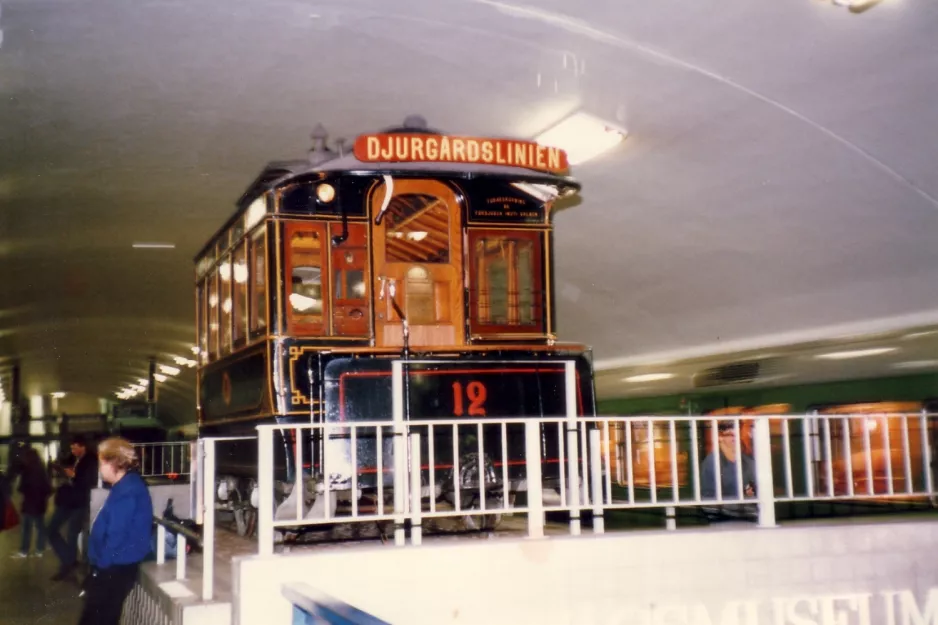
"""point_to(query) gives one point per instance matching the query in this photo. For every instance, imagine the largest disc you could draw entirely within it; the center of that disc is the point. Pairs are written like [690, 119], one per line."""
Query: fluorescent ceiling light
[58, 395]
[915, 364]
[582, 137]
[649, 377]
[169, 370]
[918, 335]
[154, 246]
[856, 353]
[159, 377]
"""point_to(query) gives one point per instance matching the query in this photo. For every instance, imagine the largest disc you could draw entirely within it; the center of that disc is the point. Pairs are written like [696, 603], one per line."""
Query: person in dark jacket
[36, 489]
[73, 507]
[120, 535]
[730, 488]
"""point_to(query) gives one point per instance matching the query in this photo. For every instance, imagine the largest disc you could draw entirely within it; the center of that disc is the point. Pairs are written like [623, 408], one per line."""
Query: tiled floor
[27, 594]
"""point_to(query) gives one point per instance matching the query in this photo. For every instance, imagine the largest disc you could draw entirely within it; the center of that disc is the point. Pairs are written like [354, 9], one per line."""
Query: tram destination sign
[424, 148]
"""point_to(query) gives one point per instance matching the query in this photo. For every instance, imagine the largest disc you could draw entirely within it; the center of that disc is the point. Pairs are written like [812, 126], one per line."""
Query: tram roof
[277, 173]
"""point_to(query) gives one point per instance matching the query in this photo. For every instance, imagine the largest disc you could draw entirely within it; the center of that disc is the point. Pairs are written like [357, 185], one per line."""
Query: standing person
[73, 507]
[36, 489]
[730, 488]
[120, 535]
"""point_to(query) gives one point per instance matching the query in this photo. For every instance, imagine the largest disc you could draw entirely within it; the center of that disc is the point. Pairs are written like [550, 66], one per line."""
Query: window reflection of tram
[334, 267]
[879, 449]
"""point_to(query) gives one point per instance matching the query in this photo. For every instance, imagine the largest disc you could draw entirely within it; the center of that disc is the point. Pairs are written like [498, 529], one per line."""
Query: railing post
[765, 483]
[596, 480]
[927, 455]
[400, 452]
[670, 520]
[180, 556]
[196, 483]
[532, 463]
[416, 531]
[208, 517]
[160, 544]
[573, 452]
[265, 486]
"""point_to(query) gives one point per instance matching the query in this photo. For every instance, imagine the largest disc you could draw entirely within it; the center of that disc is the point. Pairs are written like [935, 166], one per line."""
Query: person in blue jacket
[120, 535]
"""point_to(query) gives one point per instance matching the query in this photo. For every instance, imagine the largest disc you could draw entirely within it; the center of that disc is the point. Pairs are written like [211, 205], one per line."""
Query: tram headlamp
[325, 193]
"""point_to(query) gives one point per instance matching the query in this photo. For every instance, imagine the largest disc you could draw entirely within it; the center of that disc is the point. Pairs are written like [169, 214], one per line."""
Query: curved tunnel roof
[777, 185]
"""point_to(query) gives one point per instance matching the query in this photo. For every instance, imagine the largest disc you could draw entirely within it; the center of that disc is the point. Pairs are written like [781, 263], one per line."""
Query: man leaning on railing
[729, 485]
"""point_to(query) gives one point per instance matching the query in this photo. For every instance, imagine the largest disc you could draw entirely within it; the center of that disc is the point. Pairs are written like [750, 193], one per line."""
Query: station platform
[28, 596]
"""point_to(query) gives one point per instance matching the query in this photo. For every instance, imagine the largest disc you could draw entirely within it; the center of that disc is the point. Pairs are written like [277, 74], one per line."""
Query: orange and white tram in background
[414, 245]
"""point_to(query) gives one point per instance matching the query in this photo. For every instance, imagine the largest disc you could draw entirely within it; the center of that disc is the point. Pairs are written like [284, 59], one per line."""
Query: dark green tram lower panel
[359, 388]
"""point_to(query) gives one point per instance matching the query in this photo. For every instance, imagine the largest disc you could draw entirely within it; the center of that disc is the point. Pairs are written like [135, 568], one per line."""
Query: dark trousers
[66, 548]
[29, 522]
[105, 592]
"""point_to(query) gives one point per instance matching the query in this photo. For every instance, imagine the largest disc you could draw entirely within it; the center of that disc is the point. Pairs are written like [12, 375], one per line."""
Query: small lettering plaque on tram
[424, 148]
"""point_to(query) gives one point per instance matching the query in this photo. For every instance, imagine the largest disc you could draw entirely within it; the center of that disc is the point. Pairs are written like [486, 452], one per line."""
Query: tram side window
[506, 281]
[225, 283]
[239, 272]
[350, 295]
[213, 314]
[200, 322]
[259, 282]
[305, 255]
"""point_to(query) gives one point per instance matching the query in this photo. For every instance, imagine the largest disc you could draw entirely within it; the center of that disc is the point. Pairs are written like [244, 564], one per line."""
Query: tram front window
[506, 281]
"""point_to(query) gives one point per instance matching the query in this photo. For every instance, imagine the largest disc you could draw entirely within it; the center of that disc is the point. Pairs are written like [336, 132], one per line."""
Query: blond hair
[118, 452]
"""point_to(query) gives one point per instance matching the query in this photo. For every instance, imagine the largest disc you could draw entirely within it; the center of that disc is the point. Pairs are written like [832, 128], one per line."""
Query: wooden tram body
[302, 298]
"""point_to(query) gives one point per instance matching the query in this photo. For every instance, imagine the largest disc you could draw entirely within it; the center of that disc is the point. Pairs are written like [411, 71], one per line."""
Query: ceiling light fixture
[154, 246]
[582, 137]
[58, 395]
[649, 377]
[915, 364]
[857, 6]
[169, 370]
[856, 353]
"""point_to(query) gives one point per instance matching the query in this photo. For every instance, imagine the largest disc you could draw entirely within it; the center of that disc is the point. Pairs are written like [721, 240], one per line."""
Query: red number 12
[475, 392]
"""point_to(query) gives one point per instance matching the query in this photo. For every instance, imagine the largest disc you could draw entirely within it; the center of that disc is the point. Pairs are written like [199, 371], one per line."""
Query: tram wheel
[482, 522]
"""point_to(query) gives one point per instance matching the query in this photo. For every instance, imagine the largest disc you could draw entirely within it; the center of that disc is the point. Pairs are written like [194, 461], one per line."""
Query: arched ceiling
[778, 183]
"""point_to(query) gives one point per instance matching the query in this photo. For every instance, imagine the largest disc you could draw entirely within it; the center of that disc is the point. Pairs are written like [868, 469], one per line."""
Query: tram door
[417, 245]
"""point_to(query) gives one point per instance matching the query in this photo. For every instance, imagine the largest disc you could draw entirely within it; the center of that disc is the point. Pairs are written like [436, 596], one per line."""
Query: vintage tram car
[414, 245]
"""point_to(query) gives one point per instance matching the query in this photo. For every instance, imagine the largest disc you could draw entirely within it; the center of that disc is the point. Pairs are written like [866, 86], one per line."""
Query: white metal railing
[786, 458]
[566, 464]
[170, 460]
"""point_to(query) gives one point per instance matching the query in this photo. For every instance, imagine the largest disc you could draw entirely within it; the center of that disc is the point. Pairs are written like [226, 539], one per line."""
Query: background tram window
[259, 281]
[224, 274]
[506, 280]
[240, 304]
[304, 265]
[213, 314]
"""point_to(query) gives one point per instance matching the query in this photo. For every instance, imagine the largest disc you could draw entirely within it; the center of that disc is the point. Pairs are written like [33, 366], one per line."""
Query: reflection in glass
[417, 229]
[306, 277]
[505, 281]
